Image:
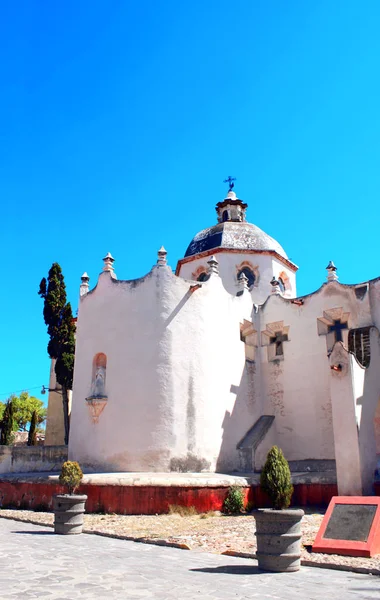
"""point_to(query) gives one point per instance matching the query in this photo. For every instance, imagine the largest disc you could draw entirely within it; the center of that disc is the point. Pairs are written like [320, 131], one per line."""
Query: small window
[203, 276]
[249, 275]
[281, 284]
[359, 344]
[225, 216]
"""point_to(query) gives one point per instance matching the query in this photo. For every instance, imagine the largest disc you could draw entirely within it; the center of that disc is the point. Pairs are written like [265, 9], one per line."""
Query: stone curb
[144, 540]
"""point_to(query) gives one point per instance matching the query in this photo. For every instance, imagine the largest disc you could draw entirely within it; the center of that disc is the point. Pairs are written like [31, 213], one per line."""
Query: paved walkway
[36, 563]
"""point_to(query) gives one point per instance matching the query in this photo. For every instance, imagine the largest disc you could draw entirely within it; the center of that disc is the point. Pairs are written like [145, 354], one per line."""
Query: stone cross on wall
[278, 338]
[274, 336]
[337, 328]
[332, 325]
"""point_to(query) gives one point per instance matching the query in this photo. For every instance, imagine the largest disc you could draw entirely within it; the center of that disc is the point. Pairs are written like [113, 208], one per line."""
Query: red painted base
[150, 500]
[367, 548]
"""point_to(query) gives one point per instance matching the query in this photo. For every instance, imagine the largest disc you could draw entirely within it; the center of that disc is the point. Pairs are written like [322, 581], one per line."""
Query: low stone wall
[23, 492]
[31, 459]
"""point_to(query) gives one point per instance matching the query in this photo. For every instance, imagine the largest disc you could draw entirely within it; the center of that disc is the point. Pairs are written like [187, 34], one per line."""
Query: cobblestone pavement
[36, 563]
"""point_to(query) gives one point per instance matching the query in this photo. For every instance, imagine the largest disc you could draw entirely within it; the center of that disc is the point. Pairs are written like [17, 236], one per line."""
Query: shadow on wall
[245, 412]
[369, 430]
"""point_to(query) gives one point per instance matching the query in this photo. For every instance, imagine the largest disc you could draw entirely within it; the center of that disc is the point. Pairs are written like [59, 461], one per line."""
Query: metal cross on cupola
[230, 180]
[337, 328]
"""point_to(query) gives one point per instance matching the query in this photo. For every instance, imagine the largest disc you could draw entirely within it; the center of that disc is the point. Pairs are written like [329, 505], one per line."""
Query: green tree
[7, 425]
[23, 407]
[276, 479]
[2, 408]
[58, 317]
[32, 436]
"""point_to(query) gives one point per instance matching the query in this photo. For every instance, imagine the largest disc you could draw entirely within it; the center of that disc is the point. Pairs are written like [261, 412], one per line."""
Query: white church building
[208, 367]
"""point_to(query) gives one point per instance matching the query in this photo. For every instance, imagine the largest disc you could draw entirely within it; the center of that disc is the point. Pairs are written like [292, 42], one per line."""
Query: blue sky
[120, 120]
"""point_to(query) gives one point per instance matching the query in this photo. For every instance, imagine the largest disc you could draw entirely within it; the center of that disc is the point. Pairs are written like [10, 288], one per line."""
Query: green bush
[276, 480]
[71, 475]
[234, 503]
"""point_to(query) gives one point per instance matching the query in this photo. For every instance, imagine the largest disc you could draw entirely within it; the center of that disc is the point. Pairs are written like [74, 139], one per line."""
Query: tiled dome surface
[233, 235]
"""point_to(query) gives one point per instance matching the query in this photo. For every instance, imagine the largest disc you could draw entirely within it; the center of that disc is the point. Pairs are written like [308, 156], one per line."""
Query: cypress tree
[6, 436]
[58, 317]
[276, 480]
[32, 436]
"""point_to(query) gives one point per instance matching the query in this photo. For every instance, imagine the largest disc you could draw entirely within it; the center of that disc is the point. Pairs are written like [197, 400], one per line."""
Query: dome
[233, 235]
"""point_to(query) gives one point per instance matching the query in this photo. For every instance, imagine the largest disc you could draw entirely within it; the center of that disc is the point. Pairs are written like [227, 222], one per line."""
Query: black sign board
[350, 522]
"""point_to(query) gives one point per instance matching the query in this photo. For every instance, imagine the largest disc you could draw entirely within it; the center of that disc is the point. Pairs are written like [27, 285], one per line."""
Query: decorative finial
[230, 180]
[213, 265]
[331, 272]
[108, 262]
[161, 261]
[275, 286]
[242, 283]
[83, 289]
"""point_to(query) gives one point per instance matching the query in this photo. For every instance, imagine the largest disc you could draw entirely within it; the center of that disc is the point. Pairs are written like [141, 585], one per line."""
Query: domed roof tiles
[235, 236]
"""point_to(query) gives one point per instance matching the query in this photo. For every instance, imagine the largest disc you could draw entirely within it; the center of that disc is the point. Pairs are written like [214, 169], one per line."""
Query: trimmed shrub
[234, 503]
[275, 479]
[71, 476]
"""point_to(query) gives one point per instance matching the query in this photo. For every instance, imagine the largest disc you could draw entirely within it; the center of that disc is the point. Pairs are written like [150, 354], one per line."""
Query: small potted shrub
[278, 530]
[69, 508]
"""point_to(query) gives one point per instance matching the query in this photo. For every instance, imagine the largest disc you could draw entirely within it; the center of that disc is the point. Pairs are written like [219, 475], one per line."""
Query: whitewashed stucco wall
[297, 389]
[178, 381]
[172, 357]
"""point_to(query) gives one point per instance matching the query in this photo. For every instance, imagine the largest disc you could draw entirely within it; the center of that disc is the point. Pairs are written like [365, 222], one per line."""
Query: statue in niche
[99, 390]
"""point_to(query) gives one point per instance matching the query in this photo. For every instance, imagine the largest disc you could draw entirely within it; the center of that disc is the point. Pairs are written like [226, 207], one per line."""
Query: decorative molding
[285, 261]
[248, 335]
[96, 406]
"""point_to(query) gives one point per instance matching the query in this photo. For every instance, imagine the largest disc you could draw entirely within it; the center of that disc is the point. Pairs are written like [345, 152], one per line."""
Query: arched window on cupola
[249, 275]
[284, 283]
[99, 368]
[225, 216]
[203, 276]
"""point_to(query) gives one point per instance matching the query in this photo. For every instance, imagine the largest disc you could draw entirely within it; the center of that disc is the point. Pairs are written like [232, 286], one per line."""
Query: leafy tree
[7, 425]
[2, 408]
[24, 406]
[32, 437]
[58, 317]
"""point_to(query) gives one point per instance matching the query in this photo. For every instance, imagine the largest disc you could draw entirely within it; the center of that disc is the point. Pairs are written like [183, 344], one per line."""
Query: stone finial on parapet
[161, 261]
[213, 266]
[331, 272]
[275, 286]
[108, 265]
[83, 289]
[242, 284]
